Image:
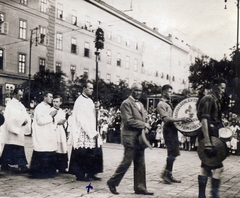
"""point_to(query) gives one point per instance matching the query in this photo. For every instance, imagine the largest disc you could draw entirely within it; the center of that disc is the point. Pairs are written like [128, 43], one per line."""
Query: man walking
[209, 113]
[133, 117]
[17, 123]
[44, 139]
[86, 157]
[170, 133]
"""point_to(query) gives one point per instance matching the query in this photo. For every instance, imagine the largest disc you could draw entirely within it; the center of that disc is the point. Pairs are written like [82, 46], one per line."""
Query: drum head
[222, 152]
[225, 132]
[187, 108]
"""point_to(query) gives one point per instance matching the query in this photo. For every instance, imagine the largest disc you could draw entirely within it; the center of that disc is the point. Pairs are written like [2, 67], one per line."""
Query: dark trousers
[137, 156]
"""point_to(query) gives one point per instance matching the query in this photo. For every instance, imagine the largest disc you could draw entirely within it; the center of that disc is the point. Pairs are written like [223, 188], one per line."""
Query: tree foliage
[45, 81]
[203, 71]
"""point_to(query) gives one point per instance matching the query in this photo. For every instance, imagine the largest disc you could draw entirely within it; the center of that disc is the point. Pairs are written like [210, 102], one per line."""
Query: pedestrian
[170, 133]
[60, 119]
[44, 139]
[86, 158]
[134, 118]
[17, 124]
[209, 114]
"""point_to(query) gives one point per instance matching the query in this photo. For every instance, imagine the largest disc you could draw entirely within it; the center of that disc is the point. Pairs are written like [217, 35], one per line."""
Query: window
[162, 76]
[143, 70]
[136, 46]
[118, 80]
[73, 70]
[118, 59]
[42, 32]
[85, 71]
[60, 11]
[127, 42]
[24, 2]
[109, 57]
[108, 78]
[43, 7]
[74, 17]
[173, 78]
[127, 62]
[167, 77]
[3, 25]
[86, 50]
[135, 66]
[1, 58]
[59, 41]
[156, 73]
[119, 39]
[109, 35]
[87, 22]
[74, 46]
[42, 64]
[2, 17]
[58, 67]
[22, 29]
[127, 81]
[22, 63]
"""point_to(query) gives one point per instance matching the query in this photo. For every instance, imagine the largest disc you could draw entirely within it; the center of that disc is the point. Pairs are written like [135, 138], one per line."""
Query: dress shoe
[174, 180]
[5, 168]
[112, 188]
[93, 177]
[24, 169]
[144, 192]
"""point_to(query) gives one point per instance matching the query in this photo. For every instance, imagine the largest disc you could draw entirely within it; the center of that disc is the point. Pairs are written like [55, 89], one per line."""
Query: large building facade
[58, 34]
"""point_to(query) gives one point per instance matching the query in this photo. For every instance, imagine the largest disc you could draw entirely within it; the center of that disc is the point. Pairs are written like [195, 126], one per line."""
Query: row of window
[42, 65]
[87, 26]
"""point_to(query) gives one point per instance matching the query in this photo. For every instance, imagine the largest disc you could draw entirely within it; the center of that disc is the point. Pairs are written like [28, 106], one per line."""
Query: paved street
[186, 168]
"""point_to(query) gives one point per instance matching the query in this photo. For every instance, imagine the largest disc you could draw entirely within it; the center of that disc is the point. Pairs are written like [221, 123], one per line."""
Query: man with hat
[209, 113]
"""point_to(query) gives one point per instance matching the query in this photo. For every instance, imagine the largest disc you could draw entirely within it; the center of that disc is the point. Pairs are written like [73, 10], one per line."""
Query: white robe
[83, 127]
[60, 132]
[44, 136]
[15, 115]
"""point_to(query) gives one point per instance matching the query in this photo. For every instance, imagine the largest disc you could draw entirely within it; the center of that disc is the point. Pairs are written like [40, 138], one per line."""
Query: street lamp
[30, 64]
[99, 44]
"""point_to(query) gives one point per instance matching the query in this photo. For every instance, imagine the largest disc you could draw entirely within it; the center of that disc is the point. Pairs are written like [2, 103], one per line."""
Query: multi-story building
[58, 34]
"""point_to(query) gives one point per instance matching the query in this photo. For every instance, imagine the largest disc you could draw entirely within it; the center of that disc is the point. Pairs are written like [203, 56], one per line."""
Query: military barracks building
[62, 37]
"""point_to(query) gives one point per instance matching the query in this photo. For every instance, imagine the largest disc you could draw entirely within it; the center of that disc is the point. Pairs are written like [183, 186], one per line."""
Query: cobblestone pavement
[186, 168]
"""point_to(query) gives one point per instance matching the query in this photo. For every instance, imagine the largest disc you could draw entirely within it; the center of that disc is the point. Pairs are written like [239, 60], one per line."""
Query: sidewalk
[186, 168]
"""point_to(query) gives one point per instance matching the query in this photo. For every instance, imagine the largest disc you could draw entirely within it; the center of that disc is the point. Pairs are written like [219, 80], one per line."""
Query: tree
[45, 81]
[203, 71]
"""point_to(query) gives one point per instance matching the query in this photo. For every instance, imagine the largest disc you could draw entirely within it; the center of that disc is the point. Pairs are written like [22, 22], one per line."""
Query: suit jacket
[133, 121]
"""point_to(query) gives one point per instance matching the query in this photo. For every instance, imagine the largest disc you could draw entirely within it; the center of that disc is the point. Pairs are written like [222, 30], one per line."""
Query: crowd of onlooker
[109, 127]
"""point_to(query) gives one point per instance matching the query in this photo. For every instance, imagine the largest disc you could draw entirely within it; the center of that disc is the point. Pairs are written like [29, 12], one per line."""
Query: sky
[204, 24]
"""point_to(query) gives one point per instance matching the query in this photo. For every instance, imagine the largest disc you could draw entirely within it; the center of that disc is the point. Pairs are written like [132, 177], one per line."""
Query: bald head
[136, 86]
[136, 90]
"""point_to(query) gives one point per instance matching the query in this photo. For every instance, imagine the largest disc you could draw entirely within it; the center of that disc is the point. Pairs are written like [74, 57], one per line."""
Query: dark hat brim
[222, 152]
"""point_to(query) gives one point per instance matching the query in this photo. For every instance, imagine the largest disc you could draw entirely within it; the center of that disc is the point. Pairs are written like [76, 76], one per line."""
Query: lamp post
[30, 64]
[98, 45]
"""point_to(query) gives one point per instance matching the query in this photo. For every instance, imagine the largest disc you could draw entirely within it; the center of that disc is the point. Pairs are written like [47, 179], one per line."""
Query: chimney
[155, 29]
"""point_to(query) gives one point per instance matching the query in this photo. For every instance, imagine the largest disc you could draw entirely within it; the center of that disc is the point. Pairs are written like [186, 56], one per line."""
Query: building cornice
[117, 13]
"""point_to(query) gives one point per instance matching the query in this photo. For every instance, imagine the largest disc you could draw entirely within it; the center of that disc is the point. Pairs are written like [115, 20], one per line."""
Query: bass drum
[187, 108]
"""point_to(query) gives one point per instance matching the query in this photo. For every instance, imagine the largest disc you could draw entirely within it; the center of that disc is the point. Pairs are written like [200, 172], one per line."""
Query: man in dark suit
[133, 117]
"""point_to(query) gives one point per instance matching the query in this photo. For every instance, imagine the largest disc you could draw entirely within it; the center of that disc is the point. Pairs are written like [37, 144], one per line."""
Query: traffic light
[42, 36]
[99, 40]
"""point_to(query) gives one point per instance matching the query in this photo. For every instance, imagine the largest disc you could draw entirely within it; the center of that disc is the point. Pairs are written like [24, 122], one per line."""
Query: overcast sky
[204, 24]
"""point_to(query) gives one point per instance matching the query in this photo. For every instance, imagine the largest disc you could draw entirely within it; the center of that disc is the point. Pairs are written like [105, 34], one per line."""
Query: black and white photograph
[119, 98]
